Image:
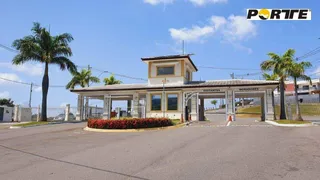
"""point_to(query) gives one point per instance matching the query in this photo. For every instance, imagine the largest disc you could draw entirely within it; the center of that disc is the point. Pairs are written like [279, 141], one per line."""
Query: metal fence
[59, 113]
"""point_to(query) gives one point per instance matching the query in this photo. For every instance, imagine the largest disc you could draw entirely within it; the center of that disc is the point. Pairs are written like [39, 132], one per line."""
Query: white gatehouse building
[171, 92]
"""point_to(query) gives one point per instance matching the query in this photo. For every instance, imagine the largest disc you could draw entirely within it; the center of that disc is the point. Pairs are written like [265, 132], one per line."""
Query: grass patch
[306, 109]
[31, 124]
[175, 121]
[292, 122]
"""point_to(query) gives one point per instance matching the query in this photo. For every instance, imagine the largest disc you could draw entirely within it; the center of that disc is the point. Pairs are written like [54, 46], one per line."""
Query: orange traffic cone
[229, 118]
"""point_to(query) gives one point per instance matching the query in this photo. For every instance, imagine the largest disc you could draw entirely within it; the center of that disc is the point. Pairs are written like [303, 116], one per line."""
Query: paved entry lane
[219, 120]
[65, 151]
[216, 119]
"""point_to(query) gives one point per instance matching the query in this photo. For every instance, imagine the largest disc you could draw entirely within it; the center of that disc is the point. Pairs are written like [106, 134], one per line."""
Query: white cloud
[8, 76]
[204, 2]
[233, 29]
[29, 69]
[218, 21]
[156, 2]
[194, 34]
[4, 94]
[238, 28]
[38, 89]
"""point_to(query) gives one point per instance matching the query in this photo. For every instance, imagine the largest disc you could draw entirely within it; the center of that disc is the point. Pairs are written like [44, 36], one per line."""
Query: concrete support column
[194, 108]
[242, 102]
[16, 113]
[38, 113]
[270, 114]
[67, 110]
[86, 108]
[79, 114]
[106, 107]
[230, 105]
[183, 99]
[135, 105]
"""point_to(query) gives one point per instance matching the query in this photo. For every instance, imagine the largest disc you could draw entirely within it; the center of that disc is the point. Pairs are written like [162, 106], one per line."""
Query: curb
[15, 127]
[18, 127]
[132, 130]
[51, 123]
[289, 125]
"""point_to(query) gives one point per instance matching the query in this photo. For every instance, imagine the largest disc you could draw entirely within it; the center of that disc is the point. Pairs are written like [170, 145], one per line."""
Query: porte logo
[278, 14]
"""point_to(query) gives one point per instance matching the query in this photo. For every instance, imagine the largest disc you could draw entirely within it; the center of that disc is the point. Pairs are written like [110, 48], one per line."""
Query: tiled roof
[211, 83]
[167, 57]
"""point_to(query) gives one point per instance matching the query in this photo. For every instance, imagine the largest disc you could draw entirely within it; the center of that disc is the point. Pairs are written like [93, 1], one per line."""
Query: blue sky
[114, 35]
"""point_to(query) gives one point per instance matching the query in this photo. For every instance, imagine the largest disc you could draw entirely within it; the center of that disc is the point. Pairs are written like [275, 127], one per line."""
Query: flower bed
[134, 123]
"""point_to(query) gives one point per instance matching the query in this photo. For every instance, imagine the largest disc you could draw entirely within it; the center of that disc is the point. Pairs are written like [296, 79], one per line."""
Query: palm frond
[267, 65]
[64, 63]
[94, 79]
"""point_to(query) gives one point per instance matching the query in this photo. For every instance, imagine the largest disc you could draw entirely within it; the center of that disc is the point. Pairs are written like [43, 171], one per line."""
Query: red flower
[134, 123]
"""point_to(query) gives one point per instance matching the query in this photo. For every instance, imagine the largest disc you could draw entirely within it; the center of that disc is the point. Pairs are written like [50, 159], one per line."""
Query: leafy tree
[43, 48]
[82, 79]
[6, 102]
[111, 80]
[214, 102]
[280, 65]
[297, 71]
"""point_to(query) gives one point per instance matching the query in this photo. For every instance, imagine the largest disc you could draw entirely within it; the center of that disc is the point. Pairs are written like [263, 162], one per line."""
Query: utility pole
[30, 94]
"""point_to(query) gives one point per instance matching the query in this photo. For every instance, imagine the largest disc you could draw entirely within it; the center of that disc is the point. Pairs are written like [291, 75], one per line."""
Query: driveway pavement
[65, 151]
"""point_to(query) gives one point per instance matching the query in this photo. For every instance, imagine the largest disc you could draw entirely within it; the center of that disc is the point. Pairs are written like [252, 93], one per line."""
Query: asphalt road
[200, 151]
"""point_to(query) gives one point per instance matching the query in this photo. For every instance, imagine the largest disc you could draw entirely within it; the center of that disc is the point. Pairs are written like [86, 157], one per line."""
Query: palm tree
[44, 48]
[82, 79]
[280, 66]
[272, 77]
[297, 71]
[111, 80]
[214, 102]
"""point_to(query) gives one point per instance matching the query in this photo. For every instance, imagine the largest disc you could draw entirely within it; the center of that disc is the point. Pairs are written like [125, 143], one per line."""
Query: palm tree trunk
[282, 106]
[45, 87]
[298, 113]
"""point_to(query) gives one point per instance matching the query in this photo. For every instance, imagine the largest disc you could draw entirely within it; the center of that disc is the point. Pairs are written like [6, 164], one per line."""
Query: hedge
[134, 123]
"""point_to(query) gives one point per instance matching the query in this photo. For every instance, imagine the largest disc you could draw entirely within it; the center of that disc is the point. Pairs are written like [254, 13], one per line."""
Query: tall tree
[44, 48]
[297, 71]
[82, 78]
[280, 66]
[214, 102]
[6, 102]
[111, 80]
[272, 77]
